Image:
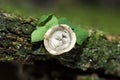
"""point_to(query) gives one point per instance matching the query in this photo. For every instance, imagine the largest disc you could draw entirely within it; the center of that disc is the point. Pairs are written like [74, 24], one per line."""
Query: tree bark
[97, 51]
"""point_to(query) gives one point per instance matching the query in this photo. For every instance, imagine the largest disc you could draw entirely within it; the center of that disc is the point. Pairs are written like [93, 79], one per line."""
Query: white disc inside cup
[59, 39]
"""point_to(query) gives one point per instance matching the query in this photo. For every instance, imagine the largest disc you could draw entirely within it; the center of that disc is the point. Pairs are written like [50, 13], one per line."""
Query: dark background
[99, 14]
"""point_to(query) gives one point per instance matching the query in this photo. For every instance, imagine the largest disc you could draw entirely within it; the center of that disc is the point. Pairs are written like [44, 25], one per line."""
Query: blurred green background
[99, 14]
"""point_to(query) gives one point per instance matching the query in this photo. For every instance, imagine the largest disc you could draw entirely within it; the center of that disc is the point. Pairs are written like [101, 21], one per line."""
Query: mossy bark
[97, 52]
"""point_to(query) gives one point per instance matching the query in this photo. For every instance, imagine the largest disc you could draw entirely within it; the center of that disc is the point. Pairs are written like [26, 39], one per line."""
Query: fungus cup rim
[52, 30]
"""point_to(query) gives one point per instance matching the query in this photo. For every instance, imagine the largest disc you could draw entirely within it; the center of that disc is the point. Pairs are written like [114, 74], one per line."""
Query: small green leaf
[44, 24]
[53, 21]
[47, 20]
[44, 19]
[81, 33]
[65, 21]
[38, 34]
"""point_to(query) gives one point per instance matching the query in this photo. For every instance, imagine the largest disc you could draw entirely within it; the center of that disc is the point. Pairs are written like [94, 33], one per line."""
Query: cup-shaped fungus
[59, 39]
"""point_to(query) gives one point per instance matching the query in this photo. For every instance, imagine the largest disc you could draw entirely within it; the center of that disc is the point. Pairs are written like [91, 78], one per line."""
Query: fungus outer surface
[59, 39]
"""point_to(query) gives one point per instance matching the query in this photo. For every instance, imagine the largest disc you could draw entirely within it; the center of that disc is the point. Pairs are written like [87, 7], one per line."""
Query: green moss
[14, 36]
[6, 58]
[12, 24]
[96, 52]
[27, 28]
[2, 28]
[99, 51]
[2, 35]
[5, 42]
[94, 77]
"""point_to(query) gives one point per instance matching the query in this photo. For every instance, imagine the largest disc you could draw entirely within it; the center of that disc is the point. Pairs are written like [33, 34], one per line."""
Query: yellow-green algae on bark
[97, 52]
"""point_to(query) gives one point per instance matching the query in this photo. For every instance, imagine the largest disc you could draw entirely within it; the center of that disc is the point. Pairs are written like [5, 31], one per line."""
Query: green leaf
[44, 19]
[44, 24]
[65, 21]
[81, 33]
[38, 34]
[52, 22]
[47, 20]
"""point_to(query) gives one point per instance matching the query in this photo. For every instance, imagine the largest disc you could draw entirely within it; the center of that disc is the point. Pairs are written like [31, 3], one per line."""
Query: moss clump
[15, 35]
